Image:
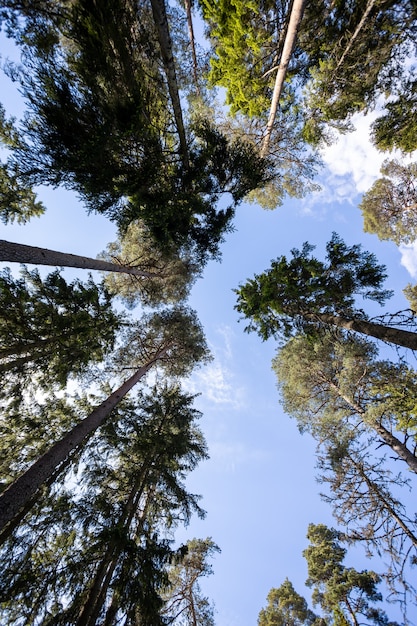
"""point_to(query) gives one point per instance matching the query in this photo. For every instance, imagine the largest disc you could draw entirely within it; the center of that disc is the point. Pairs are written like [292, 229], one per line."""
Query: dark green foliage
[397, 127]
[105, 129]
[106, 556]
[292, 292]
[51, 329]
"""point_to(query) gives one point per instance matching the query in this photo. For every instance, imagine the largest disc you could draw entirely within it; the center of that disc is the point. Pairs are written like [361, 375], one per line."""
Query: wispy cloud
[229, 456]
[216, 381]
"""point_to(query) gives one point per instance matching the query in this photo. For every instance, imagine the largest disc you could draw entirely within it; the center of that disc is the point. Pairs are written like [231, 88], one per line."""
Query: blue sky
[258, 487]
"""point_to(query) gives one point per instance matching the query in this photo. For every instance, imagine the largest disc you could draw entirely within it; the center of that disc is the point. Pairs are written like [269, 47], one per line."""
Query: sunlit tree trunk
[22, 490]
[290, 38]
[398, 336]
[165, 42]
[21, 253]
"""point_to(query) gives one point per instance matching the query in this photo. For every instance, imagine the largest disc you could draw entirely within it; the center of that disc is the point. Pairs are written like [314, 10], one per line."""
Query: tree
[171, 339]
[154, 276]
[248, 40]
[183, 599]
[336, 382]
[396, 127]
[114, 564]
[345, 595]
[358, 53]
[307, 294]
[389, 208]
[106, 132]
[341, 591]
[172, 274]
[53, 329]
[294, 22]
[287, 608]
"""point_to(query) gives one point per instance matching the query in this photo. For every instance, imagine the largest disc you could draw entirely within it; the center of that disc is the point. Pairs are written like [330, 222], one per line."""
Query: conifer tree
[114, 564]
[306, 294]
[170, 339]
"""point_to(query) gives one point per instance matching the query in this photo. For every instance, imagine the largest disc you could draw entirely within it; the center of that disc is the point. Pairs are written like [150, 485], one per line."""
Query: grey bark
[398, 336]
[22, 490]
[165, 42]
[21, 253]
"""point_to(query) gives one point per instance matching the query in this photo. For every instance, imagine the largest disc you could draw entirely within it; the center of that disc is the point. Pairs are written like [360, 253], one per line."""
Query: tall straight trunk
[192, 43]
[358, 29]
[387, 437]
[398, 336]
[165, 42]
[22, 490]
[21, 253]
[296, 16]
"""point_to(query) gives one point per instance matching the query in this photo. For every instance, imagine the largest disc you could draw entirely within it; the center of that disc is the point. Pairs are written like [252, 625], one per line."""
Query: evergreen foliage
[52, 329]
[389, 208]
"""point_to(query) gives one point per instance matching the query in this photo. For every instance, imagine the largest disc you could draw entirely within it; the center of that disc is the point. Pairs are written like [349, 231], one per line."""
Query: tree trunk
[397, 336]
[22, 490]
[102, 578]
[192, 43]
[388, 438]
[20, 253]
[161, 22]
[358, 29]
[374, 488]
[23, 348]
[296, 16]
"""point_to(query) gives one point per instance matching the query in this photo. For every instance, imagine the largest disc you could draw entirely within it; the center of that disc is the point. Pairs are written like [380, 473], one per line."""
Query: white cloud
[409, 258]
[354, 155]
[227, 456]
[351, 166]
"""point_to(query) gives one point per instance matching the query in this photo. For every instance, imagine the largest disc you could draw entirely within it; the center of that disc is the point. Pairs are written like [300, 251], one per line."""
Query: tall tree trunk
[397, 336]
[297, 12]
[391, 440]
[192, 43]
[358, 29]
[22, 490]
[165, 42]
[102, 578]
[21, 253]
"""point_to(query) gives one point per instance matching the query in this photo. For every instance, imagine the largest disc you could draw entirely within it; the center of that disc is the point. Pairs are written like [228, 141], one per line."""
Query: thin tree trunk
[22, 490]
[373, 487]
[165, 42]
[397, 336]
[192, 42]
[358, 29]
[297, 12]
[21, 253]
[22, 348]
[391, 440]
